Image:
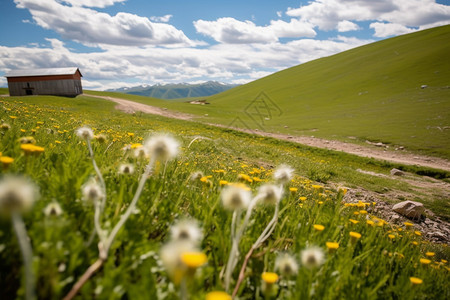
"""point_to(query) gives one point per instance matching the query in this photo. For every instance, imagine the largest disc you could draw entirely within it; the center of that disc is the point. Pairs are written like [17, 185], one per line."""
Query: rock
[409, 209]
[397, 172]
[379, 144]
[438, 235]
[423, 86]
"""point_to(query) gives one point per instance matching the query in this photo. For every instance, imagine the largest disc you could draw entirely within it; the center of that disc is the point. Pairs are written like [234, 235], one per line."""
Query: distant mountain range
[179, 90]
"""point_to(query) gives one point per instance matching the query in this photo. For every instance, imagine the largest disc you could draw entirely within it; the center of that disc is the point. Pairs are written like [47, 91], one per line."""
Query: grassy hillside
[370, 257]
[372, 93]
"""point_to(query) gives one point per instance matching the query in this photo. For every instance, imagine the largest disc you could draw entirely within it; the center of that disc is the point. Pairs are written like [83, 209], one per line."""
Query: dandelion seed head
[186, 230]
[17, 194]
[162, 147]
[312, 257]
[283, 174]
[171, 258]
[92, 192]
[126, 169]
[270, 194]
[196, 176]
[85, 133]
[140, 152]
[286, 265]
[5, 126]
[53, 209]
[235, 197]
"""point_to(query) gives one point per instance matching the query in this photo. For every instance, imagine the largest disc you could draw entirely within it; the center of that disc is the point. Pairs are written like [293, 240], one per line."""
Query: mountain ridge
[176, 90]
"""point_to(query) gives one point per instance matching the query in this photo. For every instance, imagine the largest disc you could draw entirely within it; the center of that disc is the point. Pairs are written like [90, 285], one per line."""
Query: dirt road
[402, 157]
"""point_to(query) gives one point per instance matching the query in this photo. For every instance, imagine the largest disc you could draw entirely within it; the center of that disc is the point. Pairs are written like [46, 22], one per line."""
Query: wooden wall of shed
[69, 87]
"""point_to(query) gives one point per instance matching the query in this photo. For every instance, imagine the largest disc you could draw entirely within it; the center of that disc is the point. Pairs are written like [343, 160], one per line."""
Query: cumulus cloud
[223, 62]
[328, 14]
[231, 31]
[91, 27]
[389, 29]
[163, 19]
[344, 26]
[92, 3]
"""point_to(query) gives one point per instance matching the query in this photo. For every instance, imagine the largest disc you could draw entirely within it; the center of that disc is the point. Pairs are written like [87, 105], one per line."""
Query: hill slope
[180, 90]
[373, 92]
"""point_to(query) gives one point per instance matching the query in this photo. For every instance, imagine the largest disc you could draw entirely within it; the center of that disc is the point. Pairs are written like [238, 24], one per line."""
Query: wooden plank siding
[58, 85]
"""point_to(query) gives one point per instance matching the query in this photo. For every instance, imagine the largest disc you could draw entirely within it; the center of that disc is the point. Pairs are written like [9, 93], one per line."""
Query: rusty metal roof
[42, 72]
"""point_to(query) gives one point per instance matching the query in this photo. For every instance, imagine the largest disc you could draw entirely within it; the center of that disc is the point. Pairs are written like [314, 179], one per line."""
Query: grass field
[370, 93]
[386, 261]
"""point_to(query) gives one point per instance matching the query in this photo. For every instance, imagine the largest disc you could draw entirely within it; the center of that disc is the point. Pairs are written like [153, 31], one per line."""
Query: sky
[124, 43]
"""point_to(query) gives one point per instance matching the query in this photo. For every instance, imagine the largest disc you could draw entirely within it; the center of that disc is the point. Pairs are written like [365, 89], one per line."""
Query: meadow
[333, 248]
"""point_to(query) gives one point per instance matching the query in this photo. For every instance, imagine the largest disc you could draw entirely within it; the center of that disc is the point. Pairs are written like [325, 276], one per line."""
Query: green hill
[396, 91]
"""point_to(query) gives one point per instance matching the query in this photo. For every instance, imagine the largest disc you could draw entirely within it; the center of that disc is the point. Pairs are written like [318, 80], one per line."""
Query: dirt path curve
[402, 157]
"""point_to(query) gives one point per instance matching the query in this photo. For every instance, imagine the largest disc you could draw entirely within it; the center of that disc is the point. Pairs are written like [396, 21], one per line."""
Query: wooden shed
[57, 81]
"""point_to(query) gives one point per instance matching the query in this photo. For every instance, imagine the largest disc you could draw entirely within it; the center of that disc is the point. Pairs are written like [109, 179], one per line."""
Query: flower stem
[27, 255]
[110, 239]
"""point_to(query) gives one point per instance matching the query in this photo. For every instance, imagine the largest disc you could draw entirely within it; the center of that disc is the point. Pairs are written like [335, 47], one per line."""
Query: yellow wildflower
[194, 259]
[425, 261]
[217, 295]
[269, 277]
[430, 254]
[354, 236]
[415, 280]
[353, 221]
[332, 246]
[319, 227]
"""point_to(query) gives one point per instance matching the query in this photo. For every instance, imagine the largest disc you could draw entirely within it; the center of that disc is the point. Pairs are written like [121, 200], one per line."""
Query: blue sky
[118, 43]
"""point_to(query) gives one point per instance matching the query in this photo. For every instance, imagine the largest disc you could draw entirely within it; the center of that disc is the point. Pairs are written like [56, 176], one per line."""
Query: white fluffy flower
[186, 230]
[283, 174]
[171, 258]
[140, 152]
[270, 194]
[126, 169]
[85, 133]
[53, 209]
[312, 257]
[92, 191]
[235, 197]
[162, 147]
[17, 194]
[286, 265]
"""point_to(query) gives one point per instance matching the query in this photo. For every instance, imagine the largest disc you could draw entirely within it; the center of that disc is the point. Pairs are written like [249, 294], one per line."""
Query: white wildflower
[162, 147]
[270, 194]
[283, 174]
[126, 169]
[312, 257]
[196, 176]
[17, 194]
[235, 197]
[186, 230]
[286, 265]
[53, 209]
[171, 258]
[140, 152]
[85, 133]
[92, 191]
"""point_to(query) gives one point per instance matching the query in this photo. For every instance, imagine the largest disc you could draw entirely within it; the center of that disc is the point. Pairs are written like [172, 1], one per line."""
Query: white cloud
[163, 19]
[389, 29]
[279, 14]
[91, 27]
[327, 14]
[93, 3]
[344, 26]
[232, 31]
[115, 66]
